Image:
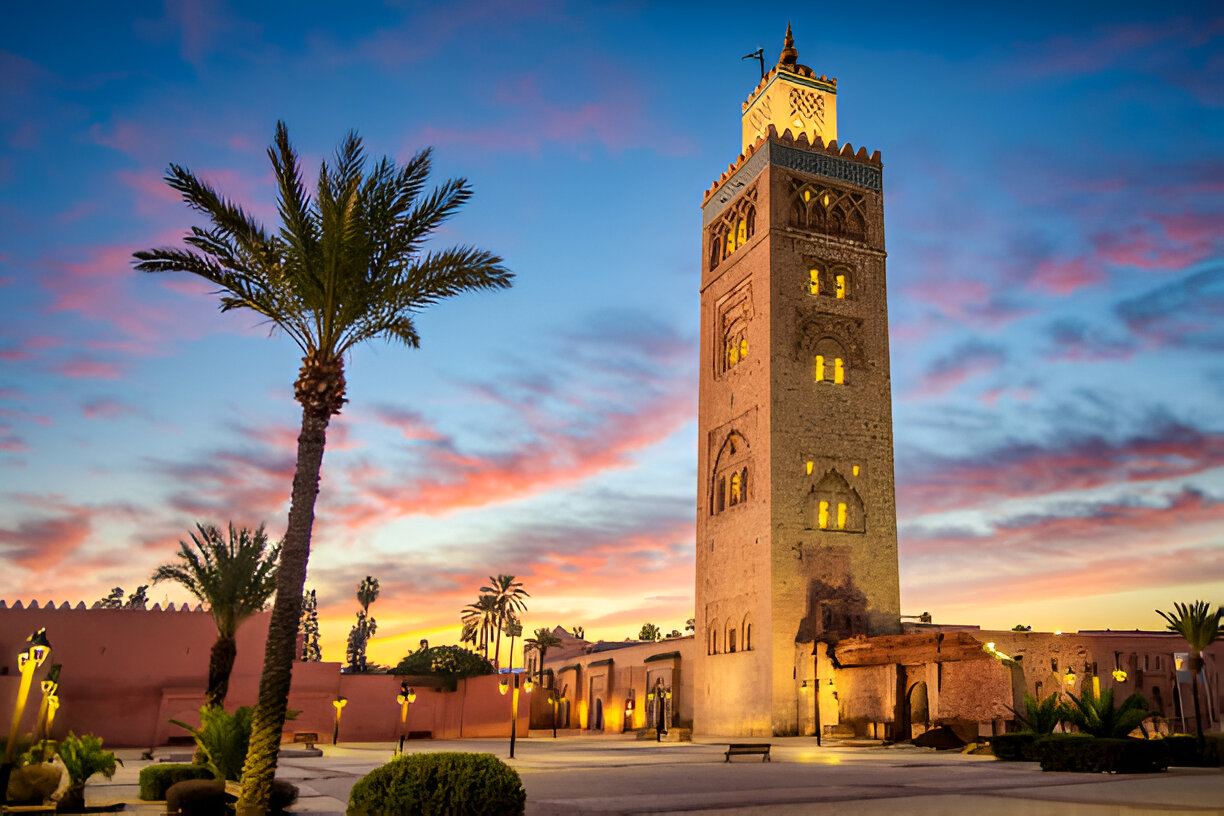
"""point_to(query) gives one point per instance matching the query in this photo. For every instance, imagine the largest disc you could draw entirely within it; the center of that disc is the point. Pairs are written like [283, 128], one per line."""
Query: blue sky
[1054, 206]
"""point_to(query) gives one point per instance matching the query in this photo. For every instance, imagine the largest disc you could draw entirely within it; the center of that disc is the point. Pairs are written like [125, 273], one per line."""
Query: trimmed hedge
[1080, 753]
[1020, 746]
[155, 780]
[439, 784]
[1184, 750]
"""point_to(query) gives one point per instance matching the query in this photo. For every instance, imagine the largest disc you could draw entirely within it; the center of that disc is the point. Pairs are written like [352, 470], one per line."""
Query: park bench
[740, 748]
[308, 737]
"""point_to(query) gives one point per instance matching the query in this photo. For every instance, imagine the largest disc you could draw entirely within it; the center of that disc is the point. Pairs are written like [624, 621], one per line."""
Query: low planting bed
[1081, 753]
[439, 784]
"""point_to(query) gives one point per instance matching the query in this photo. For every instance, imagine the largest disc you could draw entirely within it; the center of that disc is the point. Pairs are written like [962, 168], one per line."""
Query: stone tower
[796, 511]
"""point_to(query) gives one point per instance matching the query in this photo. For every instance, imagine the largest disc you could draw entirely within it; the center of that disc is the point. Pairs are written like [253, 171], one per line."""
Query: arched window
[734, 229]
[729, 485]
[834, 505]
[830, 281]
[713, 647]
[828, 210]
[731, 644]
[830, 362]
[746, 637]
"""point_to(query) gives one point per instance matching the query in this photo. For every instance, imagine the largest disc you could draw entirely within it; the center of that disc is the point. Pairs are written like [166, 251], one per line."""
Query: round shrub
[155, 780]
[439, 784]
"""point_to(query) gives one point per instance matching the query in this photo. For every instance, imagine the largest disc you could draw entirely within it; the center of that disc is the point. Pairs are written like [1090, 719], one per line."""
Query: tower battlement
[802, 142]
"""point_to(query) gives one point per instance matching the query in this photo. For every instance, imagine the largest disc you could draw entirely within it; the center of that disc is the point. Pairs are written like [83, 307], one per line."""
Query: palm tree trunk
[220, 665]
[497, 647]
[268, 721]
[1196, 666]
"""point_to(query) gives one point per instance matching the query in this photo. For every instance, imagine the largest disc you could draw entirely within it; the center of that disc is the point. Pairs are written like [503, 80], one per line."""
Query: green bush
[223, 738]
[439, 784]
[1184, 750]
[1018, 747]
[1083, 753]
[83, 757]
[156, 779]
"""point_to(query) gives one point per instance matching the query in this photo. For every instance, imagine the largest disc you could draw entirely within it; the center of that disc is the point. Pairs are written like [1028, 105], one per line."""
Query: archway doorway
[597, 723]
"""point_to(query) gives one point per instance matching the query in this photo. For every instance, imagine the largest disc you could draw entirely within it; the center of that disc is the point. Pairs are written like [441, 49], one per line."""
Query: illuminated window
[831, 362]
[730, 641]
[814, 281]
[841, 286]
[743, 348]
[855, 471]
[729, 479]
[741, 232]
[834, 505]
[733, 353]
[808, 467]
[735, 489]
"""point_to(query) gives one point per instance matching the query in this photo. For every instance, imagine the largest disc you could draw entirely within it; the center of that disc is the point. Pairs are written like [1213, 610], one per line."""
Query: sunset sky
[1054, 188]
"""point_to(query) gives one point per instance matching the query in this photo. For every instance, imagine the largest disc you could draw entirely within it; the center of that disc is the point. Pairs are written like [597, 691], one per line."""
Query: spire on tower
[790, 56]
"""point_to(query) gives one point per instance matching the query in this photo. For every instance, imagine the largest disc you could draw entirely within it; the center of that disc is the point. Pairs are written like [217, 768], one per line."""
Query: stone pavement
[614, 775]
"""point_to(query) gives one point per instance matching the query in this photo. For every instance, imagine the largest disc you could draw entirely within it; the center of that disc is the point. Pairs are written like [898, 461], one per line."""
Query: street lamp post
[28, 660]
[405, 698]
[504, 687]
[50, 685]
[339, 703]
[659, 696]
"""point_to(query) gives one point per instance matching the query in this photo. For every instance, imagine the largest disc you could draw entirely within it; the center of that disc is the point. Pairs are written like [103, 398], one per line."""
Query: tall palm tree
[481, 616]
[344, 267]
[235, 577]
[543, 641]
[1200, 627]
[508, 594]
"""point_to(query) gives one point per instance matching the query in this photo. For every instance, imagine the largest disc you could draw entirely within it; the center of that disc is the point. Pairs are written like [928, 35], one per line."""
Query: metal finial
[759, 56]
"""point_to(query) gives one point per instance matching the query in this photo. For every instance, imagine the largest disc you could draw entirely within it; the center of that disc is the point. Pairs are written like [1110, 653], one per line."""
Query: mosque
[798, 628]
[798, 624]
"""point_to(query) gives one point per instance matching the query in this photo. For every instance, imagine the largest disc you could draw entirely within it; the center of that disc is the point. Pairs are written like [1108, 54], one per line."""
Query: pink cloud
[40, 545]
[109, 409]
[83, 368]
[1118, 547]
[963, 363]
[1178, 241]
[1164, 452]
[1064, 277]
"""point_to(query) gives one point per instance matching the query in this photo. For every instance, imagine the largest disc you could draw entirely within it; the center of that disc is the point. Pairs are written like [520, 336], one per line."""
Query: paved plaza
[575, 775]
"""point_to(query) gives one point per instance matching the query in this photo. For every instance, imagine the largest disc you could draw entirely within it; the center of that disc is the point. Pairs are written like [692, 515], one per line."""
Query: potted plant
[35, 777]
[82, 758]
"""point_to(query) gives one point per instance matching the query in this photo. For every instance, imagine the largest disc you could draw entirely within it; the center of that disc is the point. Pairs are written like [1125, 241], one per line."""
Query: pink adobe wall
[127, 672]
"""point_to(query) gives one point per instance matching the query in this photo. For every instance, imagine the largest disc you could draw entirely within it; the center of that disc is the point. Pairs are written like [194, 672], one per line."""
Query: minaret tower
[796, 510]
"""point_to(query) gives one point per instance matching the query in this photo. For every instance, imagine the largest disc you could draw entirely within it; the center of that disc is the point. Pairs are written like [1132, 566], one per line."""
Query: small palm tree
[1097, 715]
[1200, 627]
[508, 594]
[543, 641]
[479, 620]
[1041, 717]
[344, 268]
[235, 578]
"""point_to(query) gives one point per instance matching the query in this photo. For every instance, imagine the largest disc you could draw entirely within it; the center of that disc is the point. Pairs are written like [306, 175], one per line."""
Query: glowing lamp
[1069, 677]
[503, 685]
[650, 695]
[990, 647]
[1119, 675]
[339, 703]
[412, 695]
[528, 685]
[36, 650]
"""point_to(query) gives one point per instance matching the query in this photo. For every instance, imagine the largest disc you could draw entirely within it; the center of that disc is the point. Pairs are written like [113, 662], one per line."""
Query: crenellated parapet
[844, 152]
[81, 607]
